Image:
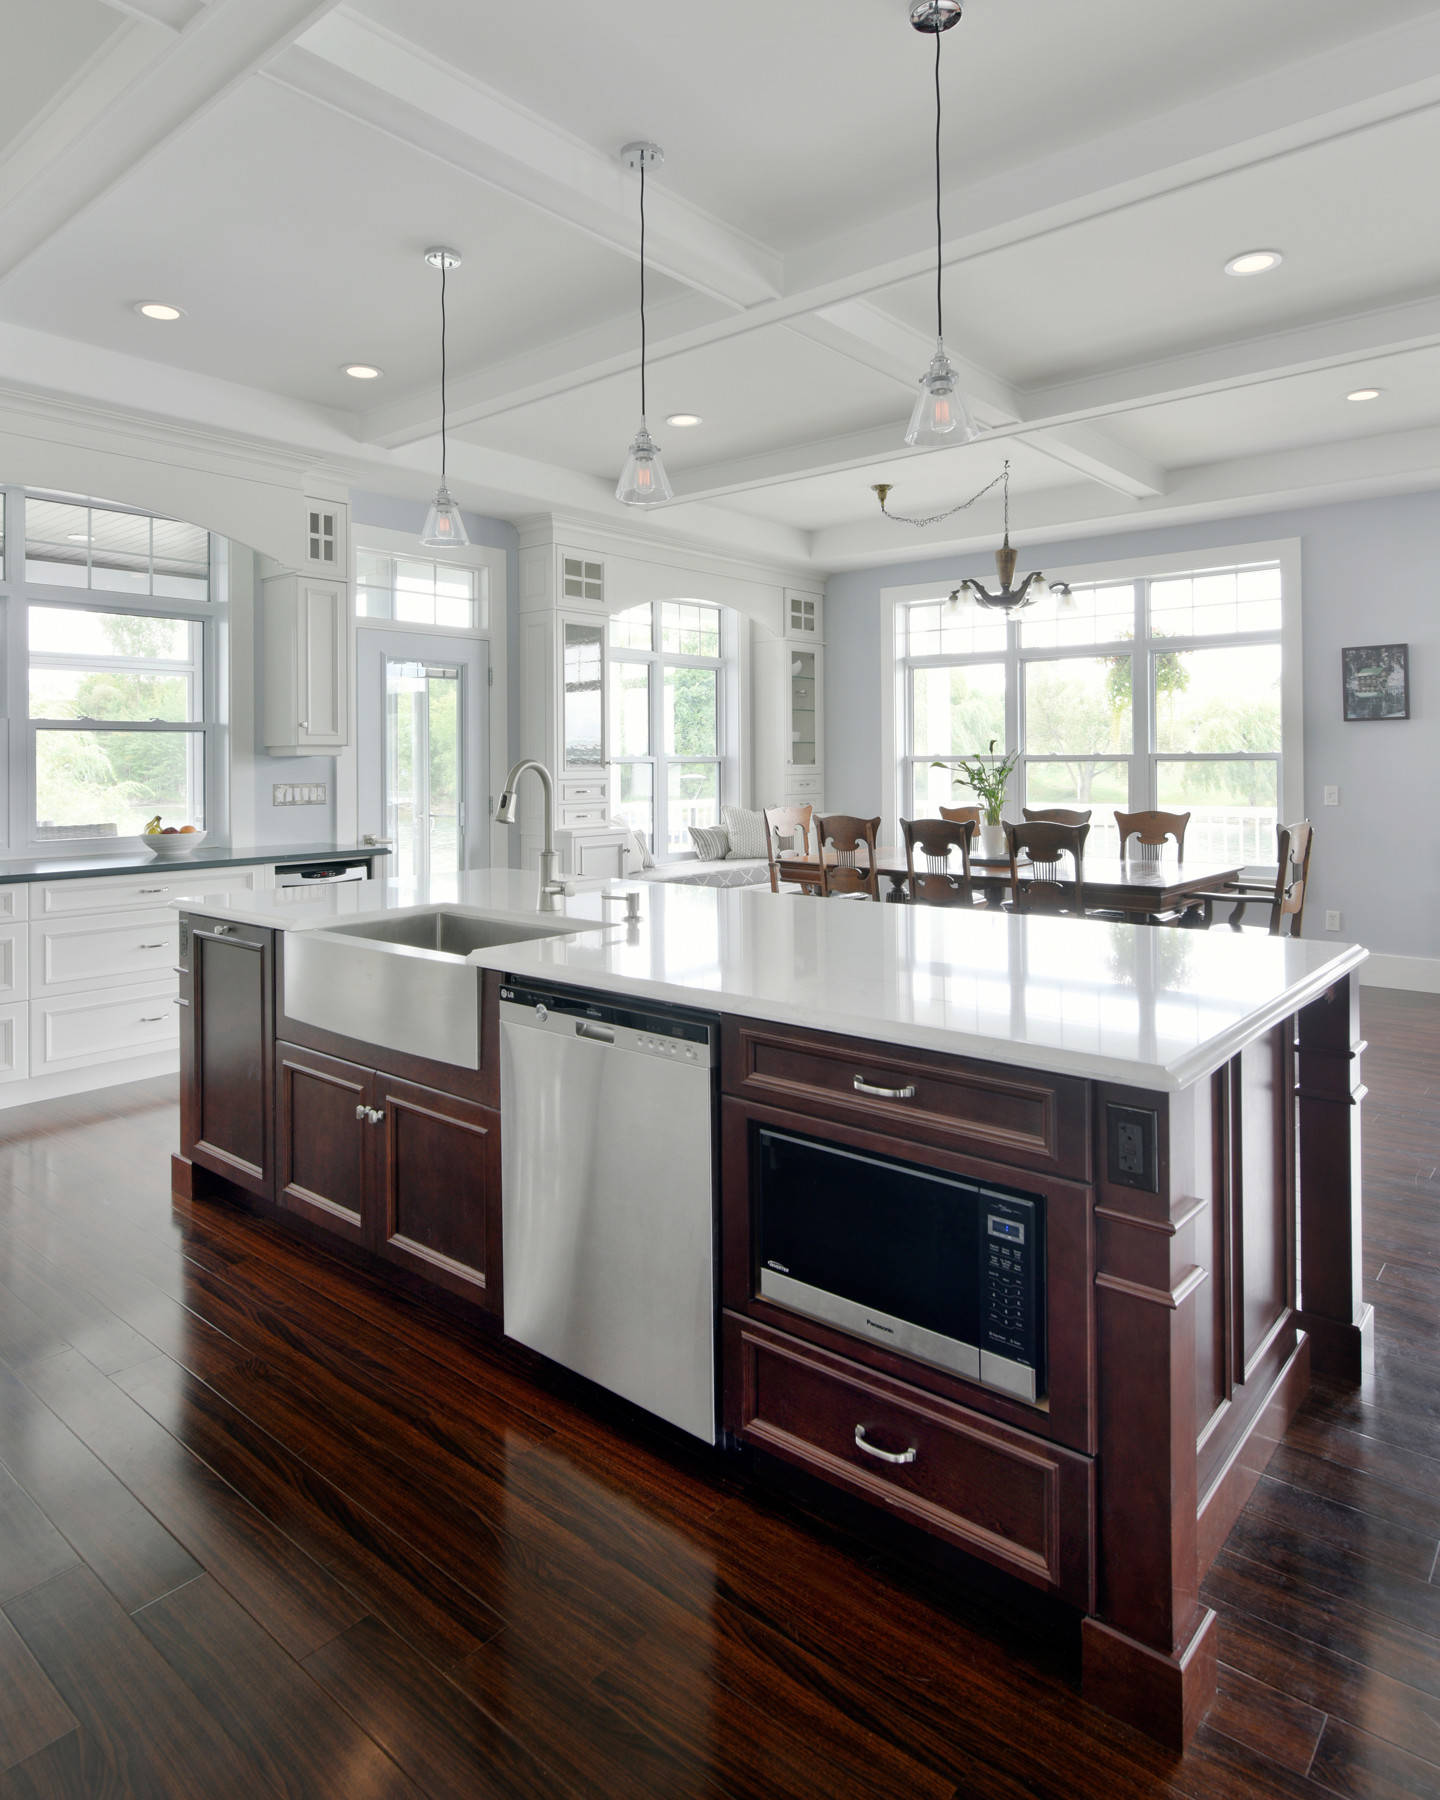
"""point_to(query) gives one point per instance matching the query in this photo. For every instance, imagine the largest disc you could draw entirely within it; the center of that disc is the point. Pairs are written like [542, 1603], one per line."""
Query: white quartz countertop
[1142, 1005]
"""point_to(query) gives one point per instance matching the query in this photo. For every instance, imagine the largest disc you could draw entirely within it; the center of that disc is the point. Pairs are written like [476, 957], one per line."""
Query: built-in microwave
[933, 1265]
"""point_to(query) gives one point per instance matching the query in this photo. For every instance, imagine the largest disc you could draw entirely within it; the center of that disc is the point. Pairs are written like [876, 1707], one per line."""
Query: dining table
[1140, 885]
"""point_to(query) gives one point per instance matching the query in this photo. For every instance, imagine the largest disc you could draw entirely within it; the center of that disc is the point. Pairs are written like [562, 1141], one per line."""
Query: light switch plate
[298, 793]
[1332, 796]
[1332, 921]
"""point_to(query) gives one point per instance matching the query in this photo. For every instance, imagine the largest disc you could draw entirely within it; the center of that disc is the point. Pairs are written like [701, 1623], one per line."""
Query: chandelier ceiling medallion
[1008, 598]
[643, 481]
[941, 415]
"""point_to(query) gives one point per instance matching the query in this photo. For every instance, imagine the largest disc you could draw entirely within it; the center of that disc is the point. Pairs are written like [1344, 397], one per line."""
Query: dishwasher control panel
[640, 1030]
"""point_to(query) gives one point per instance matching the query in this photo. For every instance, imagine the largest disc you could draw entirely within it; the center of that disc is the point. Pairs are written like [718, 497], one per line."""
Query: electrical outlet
[1332, 921]
[1133, 1134]
[1332, 796]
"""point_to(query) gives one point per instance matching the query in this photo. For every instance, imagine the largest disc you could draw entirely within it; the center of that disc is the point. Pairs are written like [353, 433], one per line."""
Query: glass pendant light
[444, 528]
[941, 415]
[643, 481]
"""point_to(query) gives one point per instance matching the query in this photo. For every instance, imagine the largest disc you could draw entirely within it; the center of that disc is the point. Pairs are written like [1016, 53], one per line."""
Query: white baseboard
[82, 1081]
[1418, 974]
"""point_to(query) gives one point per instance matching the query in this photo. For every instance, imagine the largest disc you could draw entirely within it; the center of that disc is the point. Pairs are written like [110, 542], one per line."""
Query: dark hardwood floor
[269, 1529]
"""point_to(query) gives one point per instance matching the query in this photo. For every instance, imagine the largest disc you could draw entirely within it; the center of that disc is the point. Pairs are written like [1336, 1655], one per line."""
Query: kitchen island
[1180, 1109]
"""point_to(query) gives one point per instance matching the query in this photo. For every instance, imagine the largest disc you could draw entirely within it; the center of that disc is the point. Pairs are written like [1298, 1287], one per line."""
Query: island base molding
[1165, 1696]
[1337, 1350]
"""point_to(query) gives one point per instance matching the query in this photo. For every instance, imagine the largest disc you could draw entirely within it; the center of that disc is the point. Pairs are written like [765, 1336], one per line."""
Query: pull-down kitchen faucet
[551, 887]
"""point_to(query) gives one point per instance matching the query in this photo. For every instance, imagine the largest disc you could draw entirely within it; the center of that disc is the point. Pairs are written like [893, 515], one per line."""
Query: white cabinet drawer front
[573, 792]
[14, 1042]
[72, 1030]
[59, 899]
[806, 784]
[75, 953]
[583, 815]
[15, 900]
[14, 962]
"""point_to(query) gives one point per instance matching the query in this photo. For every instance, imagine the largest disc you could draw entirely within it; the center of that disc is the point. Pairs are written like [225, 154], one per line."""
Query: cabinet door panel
[228, 1063]
[325, 1140]
[439, 1188]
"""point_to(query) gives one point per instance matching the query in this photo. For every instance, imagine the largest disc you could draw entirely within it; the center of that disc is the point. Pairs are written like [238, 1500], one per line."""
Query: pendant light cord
[939, 233]
[444, 420]
[642, 287]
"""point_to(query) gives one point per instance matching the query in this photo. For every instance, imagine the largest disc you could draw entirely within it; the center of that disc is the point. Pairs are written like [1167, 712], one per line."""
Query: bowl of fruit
[173, 840]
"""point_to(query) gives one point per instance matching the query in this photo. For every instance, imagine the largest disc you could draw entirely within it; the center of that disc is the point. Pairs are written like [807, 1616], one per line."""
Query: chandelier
[1008, 598]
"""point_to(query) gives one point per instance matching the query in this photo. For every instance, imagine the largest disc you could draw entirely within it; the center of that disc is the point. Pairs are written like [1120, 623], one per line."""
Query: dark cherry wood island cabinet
[1202, 1256]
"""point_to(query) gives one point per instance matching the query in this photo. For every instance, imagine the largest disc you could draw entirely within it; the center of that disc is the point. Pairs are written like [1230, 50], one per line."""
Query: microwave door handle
[888, 1456]
[862, 1086]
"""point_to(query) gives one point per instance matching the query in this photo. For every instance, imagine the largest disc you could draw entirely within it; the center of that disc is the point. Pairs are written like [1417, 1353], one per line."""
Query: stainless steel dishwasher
[607, 1116]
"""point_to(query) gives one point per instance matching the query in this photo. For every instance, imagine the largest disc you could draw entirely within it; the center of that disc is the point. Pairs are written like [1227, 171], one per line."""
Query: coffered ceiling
[276, 167]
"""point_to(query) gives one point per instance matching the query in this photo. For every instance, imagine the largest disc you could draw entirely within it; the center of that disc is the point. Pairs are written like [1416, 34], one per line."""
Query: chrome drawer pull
[151, 946]
[862, 1086]
[159, 1019]
[149, 890]
[179, 1002]
[891, 1456]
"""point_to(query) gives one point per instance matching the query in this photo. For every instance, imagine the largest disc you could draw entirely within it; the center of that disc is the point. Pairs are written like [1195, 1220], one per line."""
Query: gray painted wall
[1369, 574]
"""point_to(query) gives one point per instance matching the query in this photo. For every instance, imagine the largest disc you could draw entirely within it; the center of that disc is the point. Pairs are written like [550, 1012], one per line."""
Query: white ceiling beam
[385, 81]
[1099, 456]
[154, 84]
[174, 14]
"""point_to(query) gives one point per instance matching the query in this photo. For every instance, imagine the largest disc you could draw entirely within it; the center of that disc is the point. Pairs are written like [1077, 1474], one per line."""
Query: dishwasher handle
[601, 1034]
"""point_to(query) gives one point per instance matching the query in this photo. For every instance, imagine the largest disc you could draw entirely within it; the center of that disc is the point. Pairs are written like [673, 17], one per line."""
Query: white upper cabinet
[326, 549]
[307, 666]
[804, 616]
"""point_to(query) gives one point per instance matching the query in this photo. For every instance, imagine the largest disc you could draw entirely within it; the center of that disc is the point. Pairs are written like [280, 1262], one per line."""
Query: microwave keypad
[1008, 1287]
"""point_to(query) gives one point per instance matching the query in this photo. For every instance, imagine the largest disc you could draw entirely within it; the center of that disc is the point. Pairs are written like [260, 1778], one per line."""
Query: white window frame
[658, 661]
[895, 731]
[17, 595]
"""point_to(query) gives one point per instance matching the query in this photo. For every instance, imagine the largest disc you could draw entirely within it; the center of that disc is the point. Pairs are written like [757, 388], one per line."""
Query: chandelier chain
[950, 511]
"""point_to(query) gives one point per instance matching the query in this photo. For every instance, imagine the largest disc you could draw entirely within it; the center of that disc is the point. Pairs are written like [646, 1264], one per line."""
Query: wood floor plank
[32, 1714]
[439, 1736]
[146, 1728]
[1363, 1535]
[290, 1728]
[1360, 1767]
[31, 1549]
[296, 1600]
[1271, 1720]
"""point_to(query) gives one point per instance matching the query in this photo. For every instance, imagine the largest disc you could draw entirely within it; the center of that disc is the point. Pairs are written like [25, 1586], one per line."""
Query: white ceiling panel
[293, 238]
[754, 393]
[1354, 218]
[43, 45]
[797, 121]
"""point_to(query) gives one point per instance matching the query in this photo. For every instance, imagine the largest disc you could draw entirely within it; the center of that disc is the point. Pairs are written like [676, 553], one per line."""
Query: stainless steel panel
[1010, 1377]
[449, 933]
[607, 1208]
[409, 1000]
[882, 1327]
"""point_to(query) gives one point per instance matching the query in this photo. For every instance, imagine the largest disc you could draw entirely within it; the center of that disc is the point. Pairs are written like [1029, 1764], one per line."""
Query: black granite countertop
[208, 856]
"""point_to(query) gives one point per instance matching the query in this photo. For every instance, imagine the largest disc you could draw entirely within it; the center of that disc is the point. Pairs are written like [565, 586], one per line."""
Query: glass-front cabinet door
[584, 700]
[804, 716]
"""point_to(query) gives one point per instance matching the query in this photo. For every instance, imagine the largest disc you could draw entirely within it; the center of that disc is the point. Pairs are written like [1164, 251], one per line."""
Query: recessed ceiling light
[682, 420]
[1254, 262]
[363, 371]
[1365, 394]
[158, 309]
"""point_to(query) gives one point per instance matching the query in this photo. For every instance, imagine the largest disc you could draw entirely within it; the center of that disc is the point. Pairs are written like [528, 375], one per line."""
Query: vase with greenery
[987, 780]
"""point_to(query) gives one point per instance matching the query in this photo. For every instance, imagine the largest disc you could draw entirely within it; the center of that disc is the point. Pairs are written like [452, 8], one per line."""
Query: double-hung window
[112, 620]
[1163, 689]
[667, 712]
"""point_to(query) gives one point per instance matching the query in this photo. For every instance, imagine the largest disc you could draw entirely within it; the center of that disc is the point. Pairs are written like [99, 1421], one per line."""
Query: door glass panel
[690, 712]
[1234, 804]
[423, 801]
[1218, 700]
[583, 663]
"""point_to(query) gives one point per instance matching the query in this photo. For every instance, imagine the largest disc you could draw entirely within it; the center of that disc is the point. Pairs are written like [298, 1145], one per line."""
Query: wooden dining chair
[1046, 889]
[1055, 815]
[960, 815]
[792, 823]
[847, 835]
[938, 882]
[1151, 831]
[1285, 896]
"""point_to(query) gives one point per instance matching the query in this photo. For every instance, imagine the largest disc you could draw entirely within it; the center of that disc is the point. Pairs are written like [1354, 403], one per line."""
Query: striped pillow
[747, 832]
[712, 842]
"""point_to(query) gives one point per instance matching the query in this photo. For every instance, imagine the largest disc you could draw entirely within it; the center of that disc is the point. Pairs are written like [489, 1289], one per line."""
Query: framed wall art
[1375, 680]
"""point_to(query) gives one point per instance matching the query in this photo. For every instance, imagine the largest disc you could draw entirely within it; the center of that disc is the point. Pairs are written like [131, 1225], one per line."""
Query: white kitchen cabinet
[788, 679]
[14, 963]
[804, 616]
[14, 1042]
[596, 854]
[14, 900]
[74, 1031]
[306, 665]
[70, 955]
[156, 886]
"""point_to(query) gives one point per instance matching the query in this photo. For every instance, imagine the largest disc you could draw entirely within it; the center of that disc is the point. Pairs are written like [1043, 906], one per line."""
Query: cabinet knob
[361, 1110]
[224, 930]
[304, 724]
[375, 1114]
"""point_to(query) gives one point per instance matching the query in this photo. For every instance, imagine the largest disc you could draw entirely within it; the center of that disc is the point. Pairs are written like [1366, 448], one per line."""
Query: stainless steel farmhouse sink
[402, 982]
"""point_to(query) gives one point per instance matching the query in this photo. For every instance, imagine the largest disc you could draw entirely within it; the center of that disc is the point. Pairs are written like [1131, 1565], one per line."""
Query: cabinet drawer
[591, 814]
[15, 900]
[157, 887]
[587, 790]
[14, 962]
[71, 1031]
[1015, 1115]
[1014, 1500]
[14, 1042]
[70, 954]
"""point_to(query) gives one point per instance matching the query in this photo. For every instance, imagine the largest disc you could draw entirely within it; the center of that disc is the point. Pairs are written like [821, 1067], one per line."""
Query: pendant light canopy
[941, 415]
[643, 481]
[444, 528]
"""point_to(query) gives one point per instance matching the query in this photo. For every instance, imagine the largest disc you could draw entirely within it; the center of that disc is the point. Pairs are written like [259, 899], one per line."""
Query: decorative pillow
[712, 842]
[747, 832]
